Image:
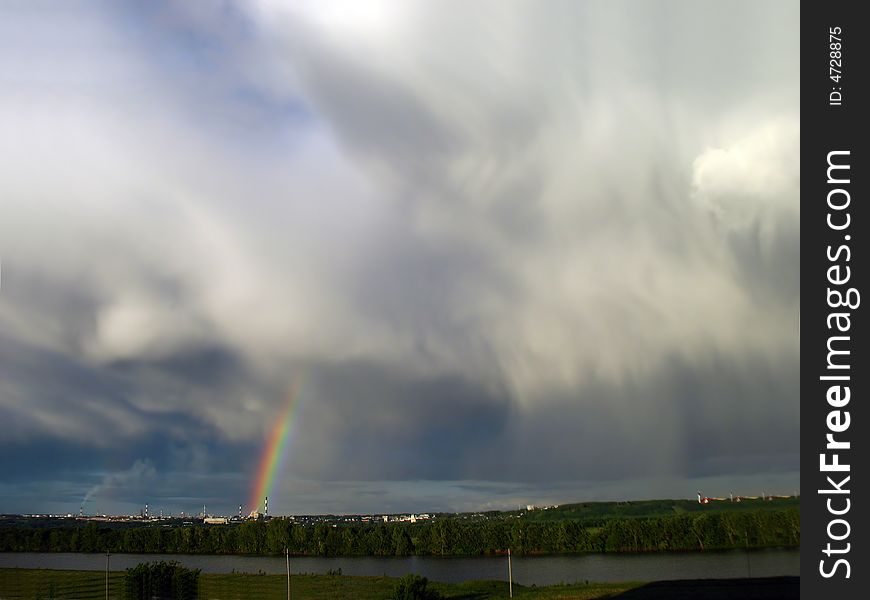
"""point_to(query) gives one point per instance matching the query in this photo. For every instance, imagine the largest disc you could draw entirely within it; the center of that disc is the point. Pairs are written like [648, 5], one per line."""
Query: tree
[402, 542]
[251, 537]
[164, 580]
[414, 587]
[278, 533]
[90, 539]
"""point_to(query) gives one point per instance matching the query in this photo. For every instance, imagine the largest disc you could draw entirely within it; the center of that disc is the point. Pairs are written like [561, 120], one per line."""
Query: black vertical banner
[835, 378]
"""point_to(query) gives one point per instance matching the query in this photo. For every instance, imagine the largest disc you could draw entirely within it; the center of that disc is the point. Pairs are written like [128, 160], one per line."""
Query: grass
[50, 583]
[327, 587]
[590, 511]
[82, 585]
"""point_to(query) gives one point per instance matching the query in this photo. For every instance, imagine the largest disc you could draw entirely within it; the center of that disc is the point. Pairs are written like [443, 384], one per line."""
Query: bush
[413, 587]
[161, 580]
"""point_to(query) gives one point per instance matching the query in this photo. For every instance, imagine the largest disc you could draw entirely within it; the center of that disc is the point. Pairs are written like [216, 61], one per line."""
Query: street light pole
[510, 576]
[748, 566]
[107, 575]
[287, 554]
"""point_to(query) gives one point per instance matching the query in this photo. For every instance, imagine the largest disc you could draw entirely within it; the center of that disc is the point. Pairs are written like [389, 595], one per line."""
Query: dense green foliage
[442, 536]
[598, 511]
[164, 580]
[414, 587]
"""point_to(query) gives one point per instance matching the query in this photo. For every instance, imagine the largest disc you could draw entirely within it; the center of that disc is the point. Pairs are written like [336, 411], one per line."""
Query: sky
[493, 253]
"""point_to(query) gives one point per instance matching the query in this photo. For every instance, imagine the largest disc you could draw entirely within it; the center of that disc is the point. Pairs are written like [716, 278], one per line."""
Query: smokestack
[146, 510]
[266, 507]
[81, 511]
[240, 512]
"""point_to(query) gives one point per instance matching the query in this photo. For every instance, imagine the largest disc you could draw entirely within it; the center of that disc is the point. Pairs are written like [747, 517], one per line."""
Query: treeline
[652, 508]
[442, 536]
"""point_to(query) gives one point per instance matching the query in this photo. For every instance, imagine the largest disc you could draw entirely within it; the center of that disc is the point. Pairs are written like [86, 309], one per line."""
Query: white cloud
[755, 178]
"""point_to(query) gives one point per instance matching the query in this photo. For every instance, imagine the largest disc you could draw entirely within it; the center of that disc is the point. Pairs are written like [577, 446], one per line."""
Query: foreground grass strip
[85, 585]
[49, 583]
[326, 587]
[339, 587]
[90, 585]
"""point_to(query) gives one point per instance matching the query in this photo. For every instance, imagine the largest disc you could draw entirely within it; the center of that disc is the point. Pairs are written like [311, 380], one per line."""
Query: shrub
[414, 587]
[161, 580]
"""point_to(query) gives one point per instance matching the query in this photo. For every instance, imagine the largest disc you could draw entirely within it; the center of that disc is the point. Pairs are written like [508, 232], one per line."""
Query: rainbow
[272, 458]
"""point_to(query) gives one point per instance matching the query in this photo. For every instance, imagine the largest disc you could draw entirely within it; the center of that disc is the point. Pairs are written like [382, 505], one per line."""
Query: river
[538, 570]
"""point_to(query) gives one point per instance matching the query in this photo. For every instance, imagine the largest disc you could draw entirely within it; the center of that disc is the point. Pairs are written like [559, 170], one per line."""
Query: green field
[592, 511]
[80, 585]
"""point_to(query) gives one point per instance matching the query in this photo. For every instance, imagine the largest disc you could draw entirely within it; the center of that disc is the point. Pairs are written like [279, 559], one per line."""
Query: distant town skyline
[397, 257]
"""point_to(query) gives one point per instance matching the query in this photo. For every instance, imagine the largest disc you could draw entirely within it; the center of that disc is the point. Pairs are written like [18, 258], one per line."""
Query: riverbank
[86, 585]
[542, 570]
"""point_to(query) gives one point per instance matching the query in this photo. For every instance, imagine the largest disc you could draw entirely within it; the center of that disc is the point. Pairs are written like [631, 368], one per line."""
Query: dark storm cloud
[364, 422]
[73, 428]
[506, 253]
[58, 393]
[727, 416]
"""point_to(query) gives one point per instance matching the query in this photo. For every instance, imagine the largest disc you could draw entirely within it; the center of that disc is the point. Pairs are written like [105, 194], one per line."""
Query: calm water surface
[539, 570]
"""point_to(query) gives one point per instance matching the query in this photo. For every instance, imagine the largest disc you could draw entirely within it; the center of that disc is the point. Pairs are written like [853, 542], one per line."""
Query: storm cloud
[508, 253]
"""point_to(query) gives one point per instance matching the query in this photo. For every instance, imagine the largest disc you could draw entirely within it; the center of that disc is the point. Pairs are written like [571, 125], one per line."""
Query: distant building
[215, 520]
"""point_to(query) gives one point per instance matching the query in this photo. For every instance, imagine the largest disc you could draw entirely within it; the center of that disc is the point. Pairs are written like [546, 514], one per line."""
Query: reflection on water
[539, 570]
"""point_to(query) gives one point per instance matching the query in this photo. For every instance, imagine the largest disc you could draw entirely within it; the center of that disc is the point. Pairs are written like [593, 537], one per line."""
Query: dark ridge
[760, 588]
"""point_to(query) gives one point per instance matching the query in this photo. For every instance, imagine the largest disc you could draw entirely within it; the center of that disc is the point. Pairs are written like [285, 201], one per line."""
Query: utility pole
[510, 576]
[287, 554]
[107, 575]
[748, 566]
